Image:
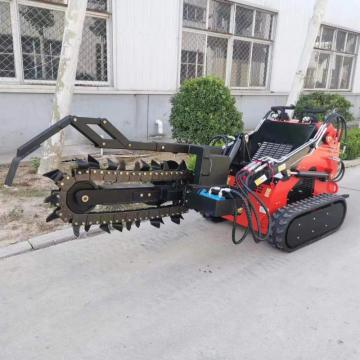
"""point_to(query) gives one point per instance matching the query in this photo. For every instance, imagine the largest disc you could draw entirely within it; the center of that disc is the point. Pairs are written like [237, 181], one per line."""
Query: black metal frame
[118, 140]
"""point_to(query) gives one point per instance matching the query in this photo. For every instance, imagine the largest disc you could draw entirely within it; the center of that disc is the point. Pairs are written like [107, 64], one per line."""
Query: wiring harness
[250, 202]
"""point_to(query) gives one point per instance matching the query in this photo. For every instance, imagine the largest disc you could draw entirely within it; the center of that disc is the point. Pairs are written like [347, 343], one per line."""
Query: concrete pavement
[185, 293]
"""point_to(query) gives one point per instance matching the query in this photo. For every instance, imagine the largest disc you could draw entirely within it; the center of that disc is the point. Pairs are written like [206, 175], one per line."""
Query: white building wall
[147, 44]
[345, 13]
[292, 20]
[147, 40]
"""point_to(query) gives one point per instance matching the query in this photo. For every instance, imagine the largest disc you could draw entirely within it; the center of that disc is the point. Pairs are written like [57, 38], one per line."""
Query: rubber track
[283, 217]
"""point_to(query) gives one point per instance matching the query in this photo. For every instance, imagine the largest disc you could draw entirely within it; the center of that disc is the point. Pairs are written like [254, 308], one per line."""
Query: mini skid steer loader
[278, 182]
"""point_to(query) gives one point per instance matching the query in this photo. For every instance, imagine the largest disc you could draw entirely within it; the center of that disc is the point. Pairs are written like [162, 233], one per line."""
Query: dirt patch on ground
[22, 208]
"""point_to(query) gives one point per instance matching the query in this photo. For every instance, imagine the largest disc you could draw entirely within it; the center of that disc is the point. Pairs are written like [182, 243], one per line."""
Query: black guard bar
[116, 140]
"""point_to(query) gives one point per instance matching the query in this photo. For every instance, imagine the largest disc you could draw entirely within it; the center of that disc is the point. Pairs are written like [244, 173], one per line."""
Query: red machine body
[276, 194]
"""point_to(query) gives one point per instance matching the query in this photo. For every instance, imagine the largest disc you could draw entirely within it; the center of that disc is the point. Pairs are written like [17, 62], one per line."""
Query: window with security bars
[192, 55]
[333, 60]
[92, 64]
[41, 30]
[98, 5]
[251, 50]
[233, 42]
[194, 13]
[7, 57]
[41, 38]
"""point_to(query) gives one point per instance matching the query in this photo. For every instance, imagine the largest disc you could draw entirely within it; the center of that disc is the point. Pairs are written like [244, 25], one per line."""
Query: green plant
[352, 145]
[35, 163]
[202, 109]
[191, 163]
[326, 101]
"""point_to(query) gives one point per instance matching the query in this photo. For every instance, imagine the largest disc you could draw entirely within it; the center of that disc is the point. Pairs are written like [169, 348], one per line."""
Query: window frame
[333, 52]
[231, 37]
[16, 34]
[15, 79]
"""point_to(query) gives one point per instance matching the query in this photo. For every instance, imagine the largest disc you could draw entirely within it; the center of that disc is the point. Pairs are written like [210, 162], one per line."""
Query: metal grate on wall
[333, 60]
[41, 38]
[93, 64]
[7, 58]
[226, 40]
[40, 28]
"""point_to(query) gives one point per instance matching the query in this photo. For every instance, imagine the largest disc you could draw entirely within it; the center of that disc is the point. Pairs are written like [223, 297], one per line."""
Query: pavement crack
[31, 245]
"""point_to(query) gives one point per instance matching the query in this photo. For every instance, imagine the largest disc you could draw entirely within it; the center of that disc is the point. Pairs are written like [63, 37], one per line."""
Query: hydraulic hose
[341, 172]
[244, 192]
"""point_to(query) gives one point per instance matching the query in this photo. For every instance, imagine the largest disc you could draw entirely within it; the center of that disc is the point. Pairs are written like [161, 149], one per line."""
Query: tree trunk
[313, 30]
[73, 29]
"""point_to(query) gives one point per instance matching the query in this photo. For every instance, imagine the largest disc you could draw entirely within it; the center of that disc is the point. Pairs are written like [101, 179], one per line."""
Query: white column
[313, 30]
[73, 29]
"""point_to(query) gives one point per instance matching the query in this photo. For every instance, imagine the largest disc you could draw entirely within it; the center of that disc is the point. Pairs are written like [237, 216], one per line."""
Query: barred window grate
[333, 60]
[192, 56]
[322, 70]
[194, 13]
[93, 65]
[98, 5]
[241, 64]
[41, 30]
[263, 25]
[327, 38]
[259, 62]
[41, 38]
[242, 33]
[7, 59]
[219, 16]
[216, 56]
[244, 21]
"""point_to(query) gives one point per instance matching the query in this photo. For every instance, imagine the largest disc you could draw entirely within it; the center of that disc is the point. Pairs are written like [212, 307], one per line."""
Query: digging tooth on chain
[173, 165]
[137, 223]
[176, 219]
[76, 230]
[182, 166]
[53, 199]
[55, 175]
[156, 222]
[87, 228]
[53, 216]
[144, 166]
[128, 225]
[81, 164]
[111, 165]
[137, 166]
[93, 163]
[122, 165]
[165, 166]
[106, 228]
[118, 227]
[155, 165]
